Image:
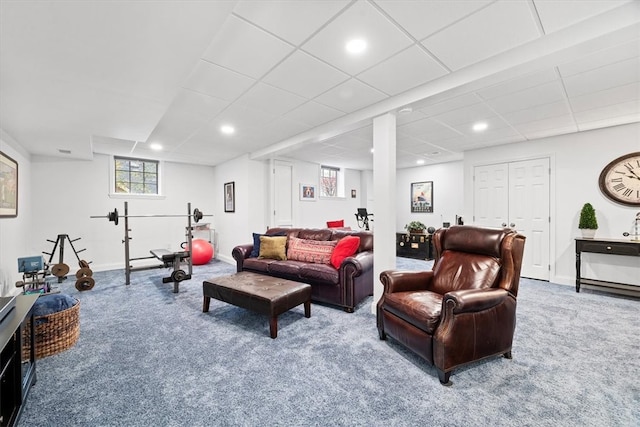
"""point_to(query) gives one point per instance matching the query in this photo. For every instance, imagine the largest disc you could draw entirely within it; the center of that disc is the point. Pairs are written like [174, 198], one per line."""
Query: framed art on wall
[422, 197]
[230, 196]
[307, 192]
[8, 186]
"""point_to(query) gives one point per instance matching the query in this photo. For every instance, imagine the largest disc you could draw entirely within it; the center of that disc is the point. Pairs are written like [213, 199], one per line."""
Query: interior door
[282, 215]
[516, 195]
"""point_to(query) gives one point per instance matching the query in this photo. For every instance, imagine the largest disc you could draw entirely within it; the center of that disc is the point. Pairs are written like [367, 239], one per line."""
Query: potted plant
[415, 227]
[588, 223]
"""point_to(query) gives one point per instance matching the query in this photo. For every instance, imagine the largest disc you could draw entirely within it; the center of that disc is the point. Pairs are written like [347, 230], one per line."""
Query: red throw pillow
[335, 224]
[346, 247]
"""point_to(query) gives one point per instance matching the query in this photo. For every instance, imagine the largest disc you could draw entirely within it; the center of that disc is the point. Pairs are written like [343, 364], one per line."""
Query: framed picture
[8, 186]
[422, 197]
[308, 192]
[353, 194]
[230, 196]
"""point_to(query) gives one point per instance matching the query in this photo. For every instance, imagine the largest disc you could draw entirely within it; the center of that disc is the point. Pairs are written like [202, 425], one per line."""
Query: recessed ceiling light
[480, 126]
[227, 129]
[155, 146]
[372, 150]
[420, 161]
[356, 46]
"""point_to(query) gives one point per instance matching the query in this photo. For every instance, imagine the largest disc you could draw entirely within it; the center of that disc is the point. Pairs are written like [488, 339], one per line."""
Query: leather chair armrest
[240, 253]
[401, 281]
[474, 300]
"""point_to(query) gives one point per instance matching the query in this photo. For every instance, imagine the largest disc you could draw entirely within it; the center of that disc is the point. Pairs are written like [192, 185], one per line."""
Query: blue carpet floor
[149, 357]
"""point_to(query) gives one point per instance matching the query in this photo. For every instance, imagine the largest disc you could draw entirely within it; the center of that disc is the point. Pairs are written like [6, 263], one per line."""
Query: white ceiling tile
[558, 122]
[196, 103]
[242, 116]
[544, 94]
[361, 20]
[601, 58]
[175, 127]
[350, 96]
[518, 84]
[540, 112]
[213, 80]
[545, 133]
[556, 15]
[313, 114]
[602, 78]
[429, 128]
[612, 121]
[470, 114]
[282, 128]
[615, 95]
[495, 126]
[423, 18]
[495, 29]
[304, 75]
[406, 70]
[246, 49]
[450, 104]
[608, 112]
[294, 21]
[268, 98]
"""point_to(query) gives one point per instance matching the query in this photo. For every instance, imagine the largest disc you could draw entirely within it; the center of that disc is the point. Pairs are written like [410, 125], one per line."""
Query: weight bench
[173, 259]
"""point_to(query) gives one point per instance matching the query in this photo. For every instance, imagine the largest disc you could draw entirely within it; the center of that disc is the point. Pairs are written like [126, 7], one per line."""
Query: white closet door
[529, 213]
[516, 195]
[283, 194]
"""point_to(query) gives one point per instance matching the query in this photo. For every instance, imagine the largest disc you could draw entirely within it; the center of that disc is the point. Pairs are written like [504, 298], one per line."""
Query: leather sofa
[344, 287]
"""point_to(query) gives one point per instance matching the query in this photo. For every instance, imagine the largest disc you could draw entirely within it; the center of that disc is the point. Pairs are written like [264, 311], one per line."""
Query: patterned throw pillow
[314, 251]
[273, 247]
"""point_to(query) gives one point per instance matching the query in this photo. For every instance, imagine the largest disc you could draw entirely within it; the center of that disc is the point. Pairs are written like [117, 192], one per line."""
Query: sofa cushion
[315, 251]
[273, 247]
[346, 247]
[257, 264]
[286, 268]
[255, 252]
[319, 273]
[421, 309]
[314, 234]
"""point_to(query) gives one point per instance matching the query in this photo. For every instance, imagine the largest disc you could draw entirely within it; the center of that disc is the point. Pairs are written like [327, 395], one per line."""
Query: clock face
[620, 180]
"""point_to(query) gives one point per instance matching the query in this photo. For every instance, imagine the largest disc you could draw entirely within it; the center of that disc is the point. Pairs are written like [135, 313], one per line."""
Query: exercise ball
[202, 252]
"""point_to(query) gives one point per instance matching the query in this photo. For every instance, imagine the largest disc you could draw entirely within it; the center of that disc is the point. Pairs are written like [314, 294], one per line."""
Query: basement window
[135, 176]
[331, 182]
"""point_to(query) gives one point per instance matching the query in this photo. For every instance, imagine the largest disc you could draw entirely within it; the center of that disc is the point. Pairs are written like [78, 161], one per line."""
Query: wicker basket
[54, 332]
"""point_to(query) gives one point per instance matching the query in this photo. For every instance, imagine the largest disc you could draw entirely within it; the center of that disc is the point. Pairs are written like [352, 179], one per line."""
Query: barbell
[114, 216]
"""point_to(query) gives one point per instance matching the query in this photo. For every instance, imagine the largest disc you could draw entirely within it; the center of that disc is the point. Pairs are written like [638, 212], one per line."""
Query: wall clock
[620, 180]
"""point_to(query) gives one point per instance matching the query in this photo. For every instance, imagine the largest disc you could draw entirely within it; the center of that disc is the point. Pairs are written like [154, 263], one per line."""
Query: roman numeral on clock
[619, 187]
[627, 192]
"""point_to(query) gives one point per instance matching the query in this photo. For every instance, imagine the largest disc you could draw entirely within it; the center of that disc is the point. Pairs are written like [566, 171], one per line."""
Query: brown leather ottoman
[263, 294]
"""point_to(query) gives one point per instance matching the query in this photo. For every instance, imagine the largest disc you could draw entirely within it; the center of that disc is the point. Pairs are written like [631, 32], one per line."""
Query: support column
[384, 195]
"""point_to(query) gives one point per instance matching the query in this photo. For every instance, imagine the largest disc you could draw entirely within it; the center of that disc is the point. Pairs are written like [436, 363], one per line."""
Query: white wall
[67, 192]
[15, 233]
[448, 200]
[576, 163]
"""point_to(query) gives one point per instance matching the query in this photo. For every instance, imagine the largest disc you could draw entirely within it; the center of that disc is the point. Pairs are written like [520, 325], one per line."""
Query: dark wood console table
[414, 246]
[17, 373]
[605, 246]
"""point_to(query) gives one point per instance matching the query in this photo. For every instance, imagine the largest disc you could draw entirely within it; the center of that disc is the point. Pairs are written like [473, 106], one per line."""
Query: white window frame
[112, 180]
[340, 185]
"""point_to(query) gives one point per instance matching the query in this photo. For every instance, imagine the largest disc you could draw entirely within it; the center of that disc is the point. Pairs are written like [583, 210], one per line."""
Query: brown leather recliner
[464, 309]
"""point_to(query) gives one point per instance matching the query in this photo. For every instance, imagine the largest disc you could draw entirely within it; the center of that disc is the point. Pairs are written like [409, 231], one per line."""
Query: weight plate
[197, 215]
[19, 284]
[85, 283]
[178, 276]
[60, 270]
[83, 264]
[84, 272]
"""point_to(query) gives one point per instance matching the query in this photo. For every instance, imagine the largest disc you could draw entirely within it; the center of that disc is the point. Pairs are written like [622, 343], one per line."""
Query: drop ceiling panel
[466, 115]
[422, 19]
[608, 112]
[616, 95]
[450, 104]
[544, 94]
[518, 84]
[245, 48]
[213, 80]
[541, 112]
[361, 20]
[271, 99]
[304, 75]
[313, 114]
[408, 69]
[558, 122]
[294, 21]
[350, 96]
[556, 15]
[498, 27]
[428, 128]
[614, 121]
[612, 75]
[602, 58]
